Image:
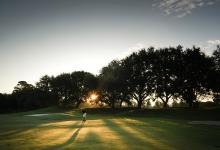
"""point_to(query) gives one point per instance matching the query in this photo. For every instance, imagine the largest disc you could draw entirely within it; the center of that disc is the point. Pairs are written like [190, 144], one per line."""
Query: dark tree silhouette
[194, 79]
[82, 82]
[22, 86]
[166, 67]
[216, 58]
[26, 97]
[62, 86]
[109, 83]
[45, 83]
[140, 80]
[214, 78]
[72, 89]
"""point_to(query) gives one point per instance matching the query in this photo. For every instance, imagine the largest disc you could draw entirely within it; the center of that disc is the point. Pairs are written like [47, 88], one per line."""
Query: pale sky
[39, 37]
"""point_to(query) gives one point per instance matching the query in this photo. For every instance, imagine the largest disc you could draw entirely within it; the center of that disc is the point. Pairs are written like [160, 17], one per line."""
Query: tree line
[162, 74]
[64, 90]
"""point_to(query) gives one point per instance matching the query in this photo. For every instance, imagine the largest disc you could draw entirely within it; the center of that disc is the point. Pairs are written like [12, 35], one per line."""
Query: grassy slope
[128, 129]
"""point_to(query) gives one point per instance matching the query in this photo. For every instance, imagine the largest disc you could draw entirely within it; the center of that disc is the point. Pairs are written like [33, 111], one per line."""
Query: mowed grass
[120, 130]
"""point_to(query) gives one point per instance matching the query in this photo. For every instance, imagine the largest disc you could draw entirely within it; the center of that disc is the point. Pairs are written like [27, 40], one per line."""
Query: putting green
[64, 131]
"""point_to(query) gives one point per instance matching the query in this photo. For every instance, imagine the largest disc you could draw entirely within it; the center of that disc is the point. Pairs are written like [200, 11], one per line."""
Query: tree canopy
[158, 75]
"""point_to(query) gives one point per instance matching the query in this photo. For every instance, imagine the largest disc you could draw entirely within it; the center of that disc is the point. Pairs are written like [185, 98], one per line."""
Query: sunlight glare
[93, 96]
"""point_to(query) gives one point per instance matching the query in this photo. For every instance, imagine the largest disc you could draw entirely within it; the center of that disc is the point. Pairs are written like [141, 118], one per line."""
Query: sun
[93, 96]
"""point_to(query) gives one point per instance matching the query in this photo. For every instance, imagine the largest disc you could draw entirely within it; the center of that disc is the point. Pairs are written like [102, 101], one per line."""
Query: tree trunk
[121, 103]
[139, 104]
[113, 104]
[165, 104]
[192, 98]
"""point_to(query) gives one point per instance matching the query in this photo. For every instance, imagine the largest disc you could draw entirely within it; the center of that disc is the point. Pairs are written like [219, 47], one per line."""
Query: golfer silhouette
[83, 116]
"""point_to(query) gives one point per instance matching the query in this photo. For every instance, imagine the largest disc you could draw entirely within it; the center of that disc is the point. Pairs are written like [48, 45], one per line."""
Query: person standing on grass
[84, 116]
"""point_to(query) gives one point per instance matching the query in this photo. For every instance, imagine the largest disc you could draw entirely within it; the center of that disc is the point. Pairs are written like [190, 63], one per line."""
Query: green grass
[107, 129]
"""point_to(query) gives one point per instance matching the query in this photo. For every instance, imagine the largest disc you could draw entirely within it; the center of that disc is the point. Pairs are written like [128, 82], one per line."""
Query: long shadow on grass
[14, 125]
[181, 134]
[152, 132]
[129, 138]
[92, 141]
[11, 133]
[68, 142]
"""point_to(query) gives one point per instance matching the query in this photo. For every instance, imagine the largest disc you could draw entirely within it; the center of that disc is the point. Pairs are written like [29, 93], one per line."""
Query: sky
[39, 37]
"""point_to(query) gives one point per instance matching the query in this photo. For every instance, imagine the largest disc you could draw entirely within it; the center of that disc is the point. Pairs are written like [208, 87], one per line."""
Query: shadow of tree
[127, 137]
[19, 124]
[91, 137]
[68, 142]
[140, 139]
[11, 132]
[92, 141]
